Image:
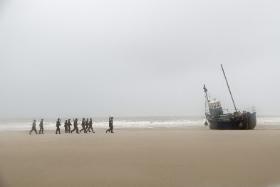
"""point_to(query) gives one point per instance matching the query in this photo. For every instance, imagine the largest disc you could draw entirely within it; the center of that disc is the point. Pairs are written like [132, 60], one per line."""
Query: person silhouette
[111, 125]
[69, 125]
[58, 126]
[33, 127]
[75, 126]
[90, 128]
[86, 124]
[41, 125]
[83, 126]
[66, 126]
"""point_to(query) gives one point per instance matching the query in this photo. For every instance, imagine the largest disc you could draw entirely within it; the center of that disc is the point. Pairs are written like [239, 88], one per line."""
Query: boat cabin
[215, 108]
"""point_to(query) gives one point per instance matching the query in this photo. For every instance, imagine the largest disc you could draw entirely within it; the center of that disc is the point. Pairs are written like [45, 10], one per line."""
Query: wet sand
[143, 157]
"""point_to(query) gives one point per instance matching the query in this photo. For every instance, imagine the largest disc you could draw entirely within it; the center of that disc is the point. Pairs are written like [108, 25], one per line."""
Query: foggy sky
[137, 57]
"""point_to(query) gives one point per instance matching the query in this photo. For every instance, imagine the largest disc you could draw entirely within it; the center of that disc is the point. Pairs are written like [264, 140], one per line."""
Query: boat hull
[236, 121]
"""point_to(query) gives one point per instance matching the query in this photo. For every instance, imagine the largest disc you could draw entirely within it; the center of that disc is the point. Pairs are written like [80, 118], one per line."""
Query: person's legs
[33, 129]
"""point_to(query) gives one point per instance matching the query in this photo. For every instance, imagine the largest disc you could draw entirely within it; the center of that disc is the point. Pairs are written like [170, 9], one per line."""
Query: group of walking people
[41, 125]
[87, 126]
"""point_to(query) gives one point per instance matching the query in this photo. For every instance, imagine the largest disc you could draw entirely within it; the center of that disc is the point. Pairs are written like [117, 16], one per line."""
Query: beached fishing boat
[218, 119]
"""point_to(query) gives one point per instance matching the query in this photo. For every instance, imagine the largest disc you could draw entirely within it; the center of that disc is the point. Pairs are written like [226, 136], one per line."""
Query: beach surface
[142, 157]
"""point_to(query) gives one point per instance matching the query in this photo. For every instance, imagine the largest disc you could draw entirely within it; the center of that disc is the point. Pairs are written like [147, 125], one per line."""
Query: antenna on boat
[228, 87]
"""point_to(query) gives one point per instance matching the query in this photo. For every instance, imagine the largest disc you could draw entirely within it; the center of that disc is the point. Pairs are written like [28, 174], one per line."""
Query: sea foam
[131, 122]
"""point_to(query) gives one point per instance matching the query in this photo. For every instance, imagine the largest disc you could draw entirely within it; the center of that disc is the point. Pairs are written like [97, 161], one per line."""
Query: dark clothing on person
[66, 126]
[69, 126]
[33, 128]
[75, 126]
[83, 126]
[41, 125]
[90, 128]
[111, 126]
[86, 124]
[58, 127]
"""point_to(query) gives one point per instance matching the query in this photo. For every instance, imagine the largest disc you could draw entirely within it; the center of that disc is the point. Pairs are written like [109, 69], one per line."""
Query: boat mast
[206, 94]
[206, 97]
[229, 88]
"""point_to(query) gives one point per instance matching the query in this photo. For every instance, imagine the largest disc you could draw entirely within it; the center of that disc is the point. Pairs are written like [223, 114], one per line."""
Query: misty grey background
[136, 57]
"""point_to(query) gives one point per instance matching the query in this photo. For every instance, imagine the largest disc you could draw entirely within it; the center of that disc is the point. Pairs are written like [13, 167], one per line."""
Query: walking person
[66, 126]
[86, 124]
[90, 128]
[75, 126]
[83, 126]
[69, 125]
[41, 125]
[33, 127]
[111, 125]
[58, 126]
